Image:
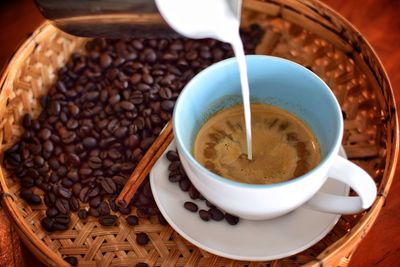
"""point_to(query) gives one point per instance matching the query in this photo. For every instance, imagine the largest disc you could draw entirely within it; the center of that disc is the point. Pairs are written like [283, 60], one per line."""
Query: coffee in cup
[284, 147]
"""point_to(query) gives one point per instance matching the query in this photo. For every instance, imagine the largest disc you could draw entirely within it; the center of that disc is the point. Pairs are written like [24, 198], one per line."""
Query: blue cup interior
[273, 81]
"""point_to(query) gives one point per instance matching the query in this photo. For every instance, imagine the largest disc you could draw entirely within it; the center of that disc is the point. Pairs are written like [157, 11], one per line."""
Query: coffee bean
[167, 105]
[94, 212]
[190, 206]
[27, 182]
[62, 205]
[231, 219]
[47, 224]
[44, 134]
[105, 60]
[62, 219]
[51, 212]
[108, 220]
[172, 156]
[63, 192]
[146, 143]
[193, 193]
[132, 220]
[55, 108]
[74, 204]
[184, 184]
[204, 215]
[109, 185]
[142, 239]
[216, 214]
[71, 260]
[209, 204]
[104, 209]
[82, 214]
[89, 142]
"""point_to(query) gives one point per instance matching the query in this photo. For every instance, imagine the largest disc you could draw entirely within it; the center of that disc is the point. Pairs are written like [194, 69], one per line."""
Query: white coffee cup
[292, 87]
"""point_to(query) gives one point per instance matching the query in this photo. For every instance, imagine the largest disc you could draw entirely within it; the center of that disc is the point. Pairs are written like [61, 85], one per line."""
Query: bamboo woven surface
[365, 96]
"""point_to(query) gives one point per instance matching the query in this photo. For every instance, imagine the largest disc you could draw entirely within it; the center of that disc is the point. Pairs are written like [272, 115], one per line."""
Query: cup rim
[223, 64]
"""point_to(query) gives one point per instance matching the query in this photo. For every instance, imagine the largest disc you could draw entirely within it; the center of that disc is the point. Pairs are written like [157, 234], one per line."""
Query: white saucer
[248, 240]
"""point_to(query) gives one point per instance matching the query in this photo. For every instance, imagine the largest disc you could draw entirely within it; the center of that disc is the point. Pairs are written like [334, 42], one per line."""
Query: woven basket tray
[301, 30]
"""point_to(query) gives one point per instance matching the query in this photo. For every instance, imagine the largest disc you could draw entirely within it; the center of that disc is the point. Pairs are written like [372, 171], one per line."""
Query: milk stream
[211, 19]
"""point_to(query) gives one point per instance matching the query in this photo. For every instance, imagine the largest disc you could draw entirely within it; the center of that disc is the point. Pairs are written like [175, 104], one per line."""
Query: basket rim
[367, 220]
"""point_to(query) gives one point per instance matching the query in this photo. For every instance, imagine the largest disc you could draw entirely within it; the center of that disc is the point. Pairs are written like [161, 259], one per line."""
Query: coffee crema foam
[283, 146]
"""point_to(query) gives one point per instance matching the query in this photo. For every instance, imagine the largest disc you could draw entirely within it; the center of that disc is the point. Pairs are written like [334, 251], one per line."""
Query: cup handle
[359, 180]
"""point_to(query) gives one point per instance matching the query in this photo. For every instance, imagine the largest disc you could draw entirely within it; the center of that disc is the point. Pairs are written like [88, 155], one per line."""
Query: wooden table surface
[377, 20]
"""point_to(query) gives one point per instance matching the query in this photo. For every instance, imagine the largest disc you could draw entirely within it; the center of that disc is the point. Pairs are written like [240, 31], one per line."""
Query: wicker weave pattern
[370, 123]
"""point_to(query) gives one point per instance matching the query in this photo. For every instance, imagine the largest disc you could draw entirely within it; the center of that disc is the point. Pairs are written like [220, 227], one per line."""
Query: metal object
[111, 18]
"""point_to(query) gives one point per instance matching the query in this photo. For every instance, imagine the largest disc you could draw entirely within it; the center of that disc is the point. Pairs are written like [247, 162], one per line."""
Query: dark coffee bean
[94, 212]
[47, 224]
[59, 226]
[105, 60]
[174, 165]
[82, 214]
[62, 205]
[67, 183]
[184, 184]
[51, 212]
[49, 199]
[128, 106]
[172, 156]
[27, 182]
[27, 121]
[216, 214]
[103, 209]
[190, 206]
[83, 194]
[167, 105]
[93, 192]
[132, 220]
[62, 171]
[76, 189]
[193, 193]
[55, 108]
[146, 143]
[89, 142]
[95, 202]
[121, 132]
[209, 204]
[165, 93]
[204, 215]
[91, 96]
[126, 210]
[231, 219]
[142, 239]
[38, 160]
[74, 204]
[72, 124]
[71, 260]
[44, 134]
[108, 185]
[48, 146]
[108, 220]
[73, 109]
[147, 78]
[143, 213]
[62, 219]
[63, 192]
[141, 264]
[34, 200]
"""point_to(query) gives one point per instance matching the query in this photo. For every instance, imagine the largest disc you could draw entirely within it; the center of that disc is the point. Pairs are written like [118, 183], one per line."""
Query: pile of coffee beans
[105, 110]
[178, 175]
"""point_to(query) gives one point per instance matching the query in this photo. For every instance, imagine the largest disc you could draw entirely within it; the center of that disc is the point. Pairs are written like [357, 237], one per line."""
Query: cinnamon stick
[144, 167]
